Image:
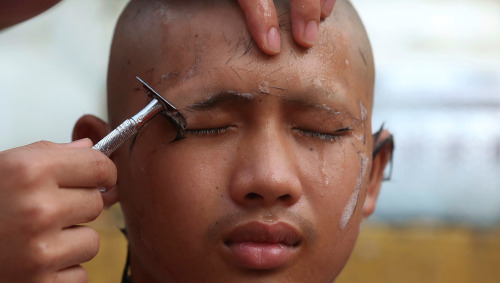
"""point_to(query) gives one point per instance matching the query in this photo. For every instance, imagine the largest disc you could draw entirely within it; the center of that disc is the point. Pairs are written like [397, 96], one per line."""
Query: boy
[275, 174]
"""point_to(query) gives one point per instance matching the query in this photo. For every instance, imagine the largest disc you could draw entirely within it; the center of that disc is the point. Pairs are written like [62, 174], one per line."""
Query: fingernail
[311, 32]
[273, 40]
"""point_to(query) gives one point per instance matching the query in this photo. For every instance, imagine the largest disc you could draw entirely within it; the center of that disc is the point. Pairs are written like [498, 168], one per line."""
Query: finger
[60, 164]
[74, 164]
[110, 197]
[79, 206]
[327, 8]
[46, 144]
[83, 167]
[59, 249]
[71, 274]
[74, 246]
[305, 21]
[13, 12]
[54, 209]
[79, 143]
[262, 22]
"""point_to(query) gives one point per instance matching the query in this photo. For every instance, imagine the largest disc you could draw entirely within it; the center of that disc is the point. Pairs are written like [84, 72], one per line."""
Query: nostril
[253, 196]
[285, 197]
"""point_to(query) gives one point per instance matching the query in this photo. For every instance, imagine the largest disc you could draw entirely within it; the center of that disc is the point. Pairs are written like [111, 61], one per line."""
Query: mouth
[262, 246]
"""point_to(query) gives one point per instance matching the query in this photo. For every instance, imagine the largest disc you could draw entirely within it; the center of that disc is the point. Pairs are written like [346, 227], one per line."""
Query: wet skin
[257, 190]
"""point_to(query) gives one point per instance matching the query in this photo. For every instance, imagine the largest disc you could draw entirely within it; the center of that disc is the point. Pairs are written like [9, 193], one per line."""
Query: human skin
[261, 17]
[262, 21]
[13, 12]
[45, 190]
[258, 189]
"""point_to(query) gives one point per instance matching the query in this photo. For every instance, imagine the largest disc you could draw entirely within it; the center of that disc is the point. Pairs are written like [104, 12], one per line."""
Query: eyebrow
[214, 100]
[220, 97]
[313, 106]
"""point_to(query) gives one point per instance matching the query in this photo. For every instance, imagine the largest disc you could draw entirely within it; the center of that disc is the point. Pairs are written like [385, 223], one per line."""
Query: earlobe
[383, 149]
[92, 127]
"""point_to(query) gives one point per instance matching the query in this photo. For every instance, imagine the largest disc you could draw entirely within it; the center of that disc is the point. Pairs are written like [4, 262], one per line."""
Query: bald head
[287, 136]
[176, 44]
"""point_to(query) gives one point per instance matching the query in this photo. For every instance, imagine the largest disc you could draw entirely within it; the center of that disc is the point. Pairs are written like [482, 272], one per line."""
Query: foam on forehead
[148, 32]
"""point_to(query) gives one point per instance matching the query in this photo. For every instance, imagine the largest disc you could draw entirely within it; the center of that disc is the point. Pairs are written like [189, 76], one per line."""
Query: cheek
[178, 172]
[331, 177]
[170, 193]
[183, 183]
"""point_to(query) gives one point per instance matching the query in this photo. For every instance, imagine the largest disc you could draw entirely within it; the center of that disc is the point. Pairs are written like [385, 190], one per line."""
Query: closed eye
[336, 135]
[207, 131]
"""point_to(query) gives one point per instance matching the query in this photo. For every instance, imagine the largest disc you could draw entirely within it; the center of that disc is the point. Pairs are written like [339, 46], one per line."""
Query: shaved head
[169, 42]
[275, 174]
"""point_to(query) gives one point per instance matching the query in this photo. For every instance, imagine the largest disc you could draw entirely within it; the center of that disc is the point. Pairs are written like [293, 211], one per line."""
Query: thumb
[86, 142]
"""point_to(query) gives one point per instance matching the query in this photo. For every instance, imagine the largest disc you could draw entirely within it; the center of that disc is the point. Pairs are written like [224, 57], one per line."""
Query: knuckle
[24, 170]
[41, 257]
[96, 206]
[31, 174]
[102, 169]
[42, 144]
[41, 215]
[94, 242]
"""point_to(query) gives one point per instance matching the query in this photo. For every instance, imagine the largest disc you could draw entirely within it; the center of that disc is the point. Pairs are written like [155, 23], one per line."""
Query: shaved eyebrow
[218, 98]
[221, 97]
[313, 106]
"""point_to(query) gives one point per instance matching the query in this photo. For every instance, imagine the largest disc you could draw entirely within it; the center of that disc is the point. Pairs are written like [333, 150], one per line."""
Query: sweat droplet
[322, 161]
[268, 216]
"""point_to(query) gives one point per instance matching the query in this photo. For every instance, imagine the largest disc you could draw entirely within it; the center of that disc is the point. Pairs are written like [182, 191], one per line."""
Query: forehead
[218, 34]
[207, 49]
[194, 48]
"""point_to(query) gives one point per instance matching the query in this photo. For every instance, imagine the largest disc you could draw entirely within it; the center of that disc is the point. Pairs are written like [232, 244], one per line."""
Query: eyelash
[207, 132]
[337, 136]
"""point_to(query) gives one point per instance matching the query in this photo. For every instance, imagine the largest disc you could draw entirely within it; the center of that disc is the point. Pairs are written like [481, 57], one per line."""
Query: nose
[266, 172]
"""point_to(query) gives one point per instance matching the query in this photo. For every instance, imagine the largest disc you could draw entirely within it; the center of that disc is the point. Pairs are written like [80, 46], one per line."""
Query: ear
[90, 126]
[380, 161]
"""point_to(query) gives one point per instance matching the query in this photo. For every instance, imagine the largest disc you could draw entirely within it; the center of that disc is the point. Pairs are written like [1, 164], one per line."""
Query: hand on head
[261, 17]
[263, 22]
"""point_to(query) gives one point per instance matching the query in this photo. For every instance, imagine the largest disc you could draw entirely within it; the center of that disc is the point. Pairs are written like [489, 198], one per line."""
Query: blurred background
[437, 90]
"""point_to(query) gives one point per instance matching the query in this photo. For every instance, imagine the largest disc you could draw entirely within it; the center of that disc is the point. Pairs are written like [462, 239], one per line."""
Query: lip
[256, 245]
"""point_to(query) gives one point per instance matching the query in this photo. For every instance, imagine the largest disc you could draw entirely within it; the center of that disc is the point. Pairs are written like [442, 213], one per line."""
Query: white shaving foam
[364, 113]
[364, 116]
[318, 83]
[353, 200]
[264, 87]
[359, 137]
